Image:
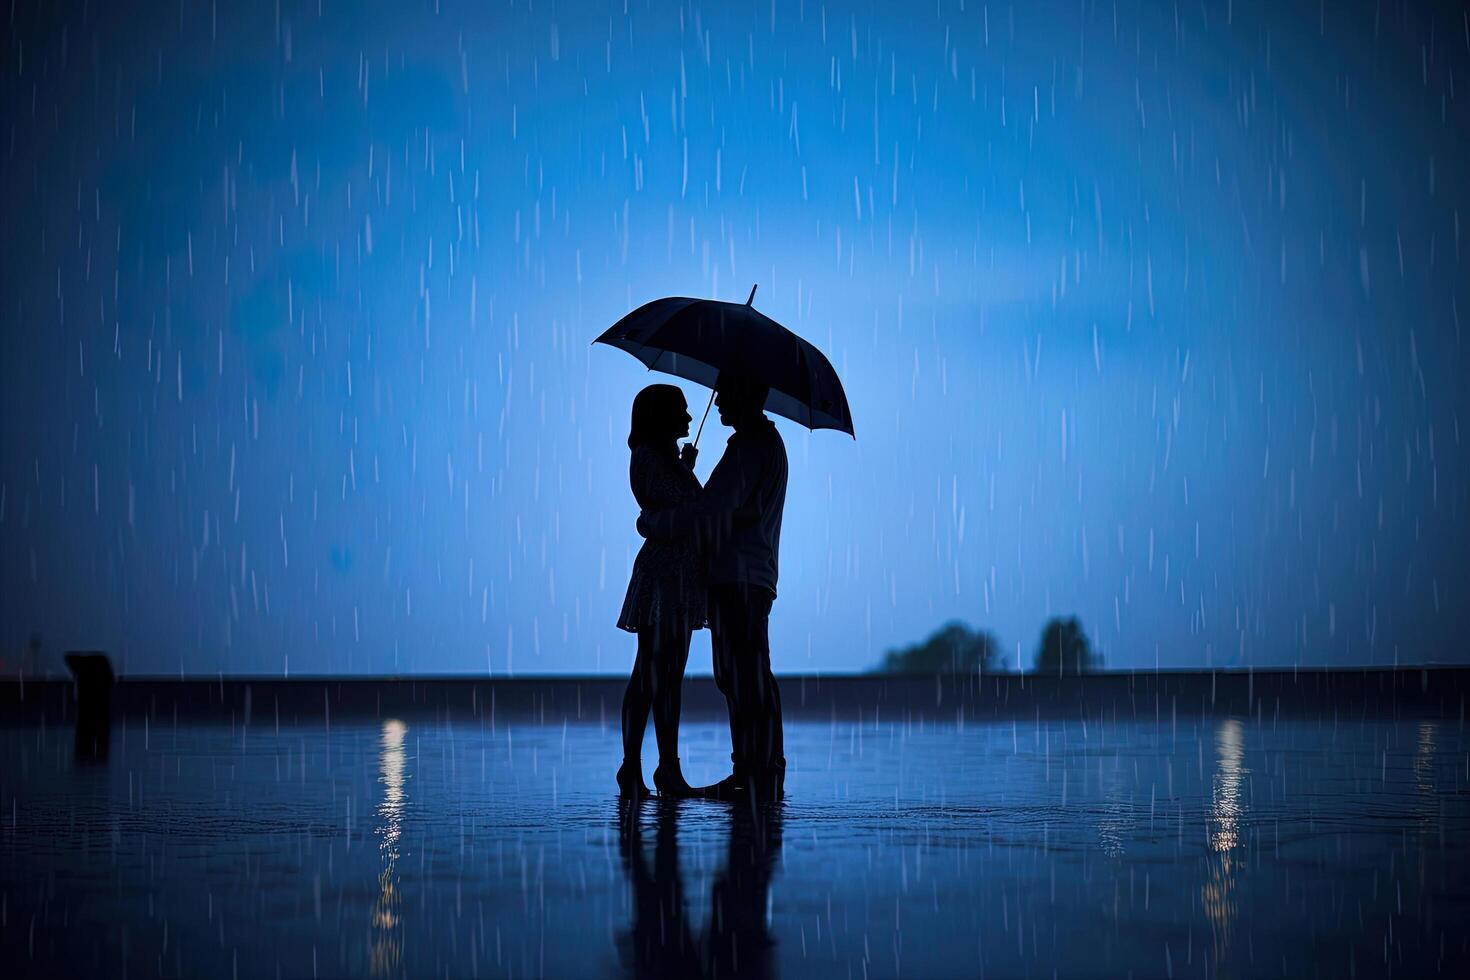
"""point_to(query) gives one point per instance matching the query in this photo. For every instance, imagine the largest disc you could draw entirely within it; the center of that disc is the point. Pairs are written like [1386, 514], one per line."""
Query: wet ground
[1201, 847]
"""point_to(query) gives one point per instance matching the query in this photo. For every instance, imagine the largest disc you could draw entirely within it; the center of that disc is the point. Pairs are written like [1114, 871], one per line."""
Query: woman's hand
[688, 455]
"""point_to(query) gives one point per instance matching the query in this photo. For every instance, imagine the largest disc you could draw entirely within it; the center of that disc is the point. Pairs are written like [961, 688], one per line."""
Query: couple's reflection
[735, 940]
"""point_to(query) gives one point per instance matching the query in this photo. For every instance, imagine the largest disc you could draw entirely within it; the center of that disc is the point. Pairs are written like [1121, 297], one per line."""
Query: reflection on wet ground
[388, 941]
[1223, 847]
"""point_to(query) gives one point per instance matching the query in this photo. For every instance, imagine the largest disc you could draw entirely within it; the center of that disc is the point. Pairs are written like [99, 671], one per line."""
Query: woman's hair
[656, 414]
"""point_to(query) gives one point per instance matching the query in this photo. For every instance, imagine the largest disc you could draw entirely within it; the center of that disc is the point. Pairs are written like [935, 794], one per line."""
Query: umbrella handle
[750, 300]
[702, 418]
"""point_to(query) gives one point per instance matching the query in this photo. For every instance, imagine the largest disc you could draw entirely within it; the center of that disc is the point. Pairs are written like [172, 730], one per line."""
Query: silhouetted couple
[710, 558]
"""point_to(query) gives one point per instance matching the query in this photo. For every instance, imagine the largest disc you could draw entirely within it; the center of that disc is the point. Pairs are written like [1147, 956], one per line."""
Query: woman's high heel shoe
[670, 781]
[630, 780]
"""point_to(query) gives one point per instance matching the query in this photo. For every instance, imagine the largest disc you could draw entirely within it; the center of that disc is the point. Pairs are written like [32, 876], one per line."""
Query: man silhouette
[738, 517]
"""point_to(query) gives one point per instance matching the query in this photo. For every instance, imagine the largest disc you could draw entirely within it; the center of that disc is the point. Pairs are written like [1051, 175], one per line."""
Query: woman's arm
[640, 477]
[714, 513]
[660, 483]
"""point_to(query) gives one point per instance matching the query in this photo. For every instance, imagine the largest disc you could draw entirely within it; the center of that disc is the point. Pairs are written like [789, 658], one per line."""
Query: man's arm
[729, 486]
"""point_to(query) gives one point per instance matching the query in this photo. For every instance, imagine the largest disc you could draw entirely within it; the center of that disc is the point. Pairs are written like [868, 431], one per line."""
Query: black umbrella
[696, 339]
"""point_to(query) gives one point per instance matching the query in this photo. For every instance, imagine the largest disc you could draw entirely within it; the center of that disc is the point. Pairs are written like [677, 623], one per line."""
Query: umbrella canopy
[696, 339]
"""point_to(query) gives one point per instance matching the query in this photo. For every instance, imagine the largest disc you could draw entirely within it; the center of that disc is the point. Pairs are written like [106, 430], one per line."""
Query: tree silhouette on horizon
[954, 648]
[1064, 649]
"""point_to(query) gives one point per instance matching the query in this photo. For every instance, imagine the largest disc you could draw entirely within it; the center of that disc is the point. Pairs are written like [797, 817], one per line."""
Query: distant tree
[954, 648]
[1065, 649]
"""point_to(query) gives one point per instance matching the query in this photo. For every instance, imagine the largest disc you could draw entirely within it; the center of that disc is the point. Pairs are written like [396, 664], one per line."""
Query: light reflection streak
[1116, 820]
[1225, 802]
[1424, 776]
[1424, 758]
[387, 922]
[1227, 812]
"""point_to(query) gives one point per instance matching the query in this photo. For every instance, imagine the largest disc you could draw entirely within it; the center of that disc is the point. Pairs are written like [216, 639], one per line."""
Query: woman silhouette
[666, 593]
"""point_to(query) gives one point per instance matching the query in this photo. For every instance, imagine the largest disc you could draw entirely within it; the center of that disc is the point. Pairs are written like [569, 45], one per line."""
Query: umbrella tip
[751, 298]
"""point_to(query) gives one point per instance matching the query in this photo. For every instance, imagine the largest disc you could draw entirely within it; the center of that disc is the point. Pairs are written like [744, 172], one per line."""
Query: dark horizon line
[1337, 692]
[318, 678]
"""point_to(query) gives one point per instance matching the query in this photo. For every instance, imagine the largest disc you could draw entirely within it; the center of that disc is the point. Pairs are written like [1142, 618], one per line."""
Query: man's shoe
[767, 785]
[732, 787]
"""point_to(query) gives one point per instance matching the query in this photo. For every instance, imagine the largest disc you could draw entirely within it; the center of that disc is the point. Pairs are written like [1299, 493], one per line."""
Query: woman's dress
[668, 584]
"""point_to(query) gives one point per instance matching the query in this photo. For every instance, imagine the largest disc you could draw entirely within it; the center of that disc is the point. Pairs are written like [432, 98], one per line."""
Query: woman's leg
[671, 659]
[638, 697]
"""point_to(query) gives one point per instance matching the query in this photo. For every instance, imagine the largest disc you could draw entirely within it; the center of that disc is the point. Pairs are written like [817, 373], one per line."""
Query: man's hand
[643, 526]
[688, 455]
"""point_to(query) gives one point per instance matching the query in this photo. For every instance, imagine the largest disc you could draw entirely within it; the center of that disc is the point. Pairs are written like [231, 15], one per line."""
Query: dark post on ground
[92, 673]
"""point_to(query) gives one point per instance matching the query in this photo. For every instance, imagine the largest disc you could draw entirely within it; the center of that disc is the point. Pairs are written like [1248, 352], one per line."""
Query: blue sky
[1146, 314]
